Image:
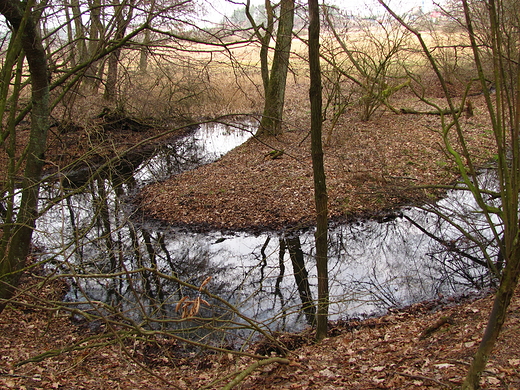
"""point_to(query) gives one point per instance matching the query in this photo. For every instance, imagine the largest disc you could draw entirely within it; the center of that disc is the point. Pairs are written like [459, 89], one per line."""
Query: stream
[135, 266]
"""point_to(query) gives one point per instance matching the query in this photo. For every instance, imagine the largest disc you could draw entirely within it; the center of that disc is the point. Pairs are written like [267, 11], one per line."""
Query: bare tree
[275, 80]
[366, 53]
[123, 14]
[320, 187]
[18, 228]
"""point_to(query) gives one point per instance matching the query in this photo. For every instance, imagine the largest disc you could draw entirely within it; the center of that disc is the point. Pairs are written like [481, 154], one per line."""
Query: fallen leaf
[444, 365]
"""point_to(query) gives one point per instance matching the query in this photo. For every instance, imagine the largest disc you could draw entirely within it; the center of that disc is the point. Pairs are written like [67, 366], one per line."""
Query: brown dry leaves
[389, 352]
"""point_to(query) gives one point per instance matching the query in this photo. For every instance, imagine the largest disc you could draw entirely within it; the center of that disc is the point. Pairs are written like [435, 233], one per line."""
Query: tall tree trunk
[320, 187]
[15, 248]
[110, 93]
[96, 36]
[275, 95]
[80, 45]
[264, 39]
[497, 317]
[508, 171]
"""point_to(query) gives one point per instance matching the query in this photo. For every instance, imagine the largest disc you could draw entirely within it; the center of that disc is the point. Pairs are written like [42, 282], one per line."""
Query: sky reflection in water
[373, 266]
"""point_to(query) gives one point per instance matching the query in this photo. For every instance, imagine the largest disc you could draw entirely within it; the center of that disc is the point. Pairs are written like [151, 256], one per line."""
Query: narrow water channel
[136, 267]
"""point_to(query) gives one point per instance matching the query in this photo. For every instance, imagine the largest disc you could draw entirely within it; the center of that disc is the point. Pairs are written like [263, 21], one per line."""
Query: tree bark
[96, 38]
[275, 95]
[264, 39]
[15, 247]
[508, 173]
[80, 46]
[496, 320]
[320, 187]
[143, 55]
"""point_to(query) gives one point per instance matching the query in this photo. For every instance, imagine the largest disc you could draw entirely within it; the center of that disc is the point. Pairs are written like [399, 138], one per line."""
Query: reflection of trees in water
[113, 261]
[172, 159]
[138, 272]
[301, 276]
[380, 265]
[464, 250]
[129, 275]
[465, 247]
[373, 266]
[259, 284]
[203, 145]
[443, 249]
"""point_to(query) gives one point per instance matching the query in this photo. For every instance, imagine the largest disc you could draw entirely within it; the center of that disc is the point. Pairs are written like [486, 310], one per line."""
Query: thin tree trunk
[113, 59]
[79, 45]
[96, 35]
[496, 320]
[320, 187]
[143, 55]
[110, 93]
[509, 178]
[263, 39]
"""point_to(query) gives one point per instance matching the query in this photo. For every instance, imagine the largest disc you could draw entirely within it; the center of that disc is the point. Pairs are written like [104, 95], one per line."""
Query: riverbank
[371, 167]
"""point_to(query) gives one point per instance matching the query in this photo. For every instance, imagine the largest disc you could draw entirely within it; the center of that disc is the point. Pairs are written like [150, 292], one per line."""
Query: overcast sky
[217, 9]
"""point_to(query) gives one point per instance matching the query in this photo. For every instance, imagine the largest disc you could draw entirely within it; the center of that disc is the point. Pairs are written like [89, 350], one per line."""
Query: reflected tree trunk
[153, 264]
[105, 225]
[302, 278]
[78, 248]
[169, 261]
[279, 278]
[264, 262]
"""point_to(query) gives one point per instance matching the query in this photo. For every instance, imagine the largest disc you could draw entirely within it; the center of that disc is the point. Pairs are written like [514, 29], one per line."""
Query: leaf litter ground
[425, 346]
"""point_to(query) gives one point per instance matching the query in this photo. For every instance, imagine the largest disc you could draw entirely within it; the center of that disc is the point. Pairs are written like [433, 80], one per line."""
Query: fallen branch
[240, 377]
[446, 111]
[439, 323]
